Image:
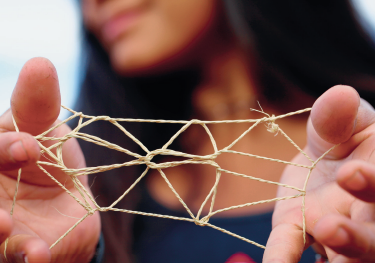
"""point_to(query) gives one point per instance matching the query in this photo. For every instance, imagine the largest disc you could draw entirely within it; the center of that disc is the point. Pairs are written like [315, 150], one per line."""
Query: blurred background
[40, 28]
[51, 29]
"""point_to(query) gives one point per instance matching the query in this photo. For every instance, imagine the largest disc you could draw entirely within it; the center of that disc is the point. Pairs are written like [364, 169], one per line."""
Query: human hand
[340, 195]
[37, 221]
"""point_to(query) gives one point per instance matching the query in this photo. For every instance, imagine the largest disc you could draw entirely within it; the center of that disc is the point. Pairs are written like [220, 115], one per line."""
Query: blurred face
[149, 35]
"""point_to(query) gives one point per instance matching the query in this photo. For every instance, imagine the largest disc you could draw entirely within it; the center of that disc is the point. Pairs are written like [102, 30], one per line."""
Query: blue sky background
[33, 28]
[51, 29]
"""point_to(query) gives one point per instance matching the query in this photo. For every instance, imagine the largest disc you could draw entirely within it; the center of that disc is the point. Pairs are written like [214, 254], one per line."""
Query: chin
[131, 65]
[128, 66]
[135, 56]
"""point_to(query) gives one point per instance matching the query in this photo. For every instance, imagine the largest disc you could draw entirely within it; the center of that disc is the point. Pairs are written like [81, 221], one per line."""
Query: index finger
[285, 244]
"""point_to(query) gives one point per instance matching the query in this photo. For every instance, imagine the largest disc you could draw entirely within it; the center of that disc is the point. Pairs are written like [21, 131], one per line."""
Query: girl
[207, 60]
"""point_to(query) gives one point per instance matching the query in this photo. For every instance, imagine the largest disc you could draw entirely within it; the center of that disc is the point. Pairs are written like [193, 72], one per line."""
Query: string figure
[56, 160]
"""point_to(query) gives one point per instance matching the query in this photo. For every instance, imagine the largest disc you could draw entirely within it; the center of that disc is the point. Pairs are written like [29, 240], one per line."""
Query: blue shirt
[171, 241]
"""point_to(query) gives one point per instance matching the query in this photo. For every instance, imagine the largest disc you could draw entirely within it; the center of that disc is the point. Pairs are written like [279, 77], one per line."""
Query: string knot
[147, 159]
[200, 222]
[91, 211]
[54, 156]
[272, 127]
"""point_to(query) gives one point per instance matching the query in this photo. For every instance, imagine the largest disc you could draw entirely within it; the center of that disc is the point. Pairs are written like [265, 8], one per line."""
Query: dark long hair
[307, 45]
[311, 45]
[103, 92]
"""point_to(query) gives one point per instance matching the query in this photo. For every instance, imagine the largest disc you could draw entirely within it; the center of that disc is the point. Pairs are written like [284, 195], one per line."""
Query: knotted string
[54, 156]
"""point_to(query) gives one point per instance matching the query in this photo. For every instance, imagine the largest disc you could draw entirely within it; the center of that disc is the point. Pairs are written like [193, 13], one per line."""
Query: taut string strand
[56, 160]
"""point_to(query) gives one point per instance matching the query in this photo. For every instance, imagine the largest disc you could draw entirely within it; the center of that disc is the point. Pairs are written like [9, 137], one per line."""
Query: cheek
[89, 14]
[164, 36]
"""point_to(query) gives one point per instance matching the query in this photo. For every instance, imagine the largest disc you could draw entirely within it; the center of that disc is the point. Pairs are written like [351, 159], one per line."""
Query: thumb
[35, 105]
[35, 102]
[26, 248]
[335, 117]
[334, 114]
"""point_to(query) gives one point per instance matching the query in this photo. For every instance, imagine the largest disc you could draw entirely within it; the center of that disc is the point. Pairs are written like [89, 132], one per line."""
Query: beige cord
[56, 160]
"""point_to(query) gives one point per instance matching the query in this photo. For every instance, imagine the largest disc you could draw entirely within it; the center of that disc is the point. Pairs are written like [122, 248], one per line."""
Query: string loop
[85, 199]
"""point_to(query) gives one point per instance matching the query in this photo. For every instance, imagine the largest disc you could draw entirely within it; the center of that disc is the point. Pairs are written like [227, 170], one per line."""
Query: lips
[119, 24]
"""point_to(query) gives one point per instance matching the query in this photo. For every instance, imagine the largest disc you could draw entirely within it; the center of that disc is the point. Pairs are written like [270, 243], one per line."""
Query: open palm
[43, 211]
[340, 199]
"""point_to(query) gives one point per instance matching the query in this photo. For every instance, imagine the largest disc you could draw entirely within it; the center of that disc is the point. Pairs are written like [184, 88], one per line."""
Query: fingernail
[18, 152]
[340, 238]
[356, 182]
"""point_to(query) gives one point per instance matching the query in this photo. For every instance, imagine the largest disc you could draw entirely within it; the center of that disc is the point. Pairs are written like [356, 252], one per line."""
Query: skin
[334, 118]
[338, 116]
[340, 195]
[35, 105]
[126, 29]
[227, 81]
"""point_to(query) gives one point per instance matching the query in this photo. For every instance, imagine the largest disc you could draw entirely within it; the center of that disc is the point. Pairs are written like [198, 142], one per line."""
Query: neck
[228, 92]
[227, 88]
